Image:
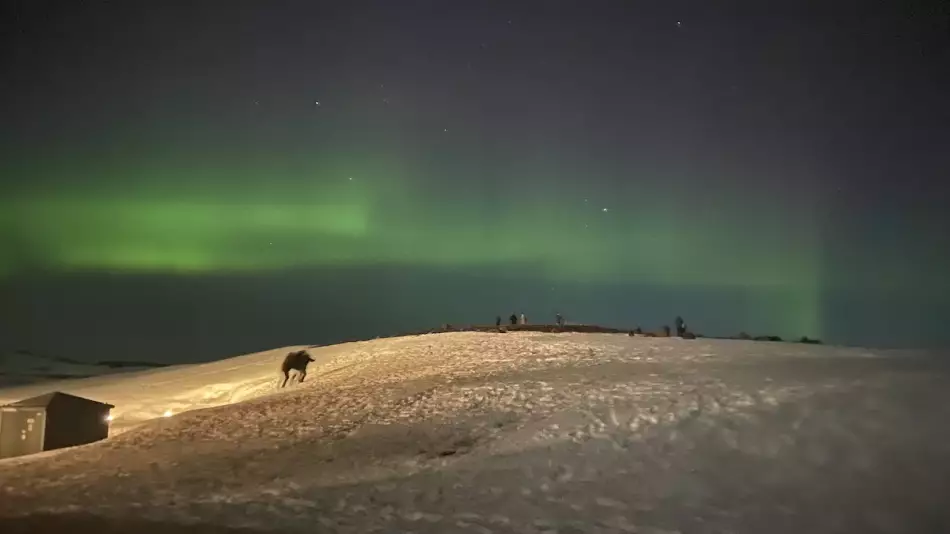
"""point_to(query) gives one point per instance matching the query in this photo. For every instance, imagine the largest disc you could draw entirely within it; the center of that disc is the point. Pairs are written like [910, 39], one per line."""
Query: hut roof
[44, 400]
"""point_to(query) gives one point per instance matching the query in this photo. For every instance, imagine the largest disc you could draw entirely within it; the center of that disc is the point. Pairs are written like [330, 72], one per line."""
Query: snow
[143, 395]
[515, 432]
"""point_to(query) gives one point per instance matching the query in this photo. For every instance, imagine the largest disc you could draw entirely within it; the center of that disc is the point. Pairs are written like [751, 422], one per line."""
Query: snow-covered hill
[517, 432]
[140, 395]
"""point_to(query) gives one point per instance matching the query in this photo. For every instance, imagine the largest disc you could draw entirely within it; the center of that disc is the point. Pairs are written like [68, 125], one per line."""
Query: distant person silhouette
[513, 319]
[559, 320]
[524, 320]
[498, 320]
[295, 361]
[680, 326]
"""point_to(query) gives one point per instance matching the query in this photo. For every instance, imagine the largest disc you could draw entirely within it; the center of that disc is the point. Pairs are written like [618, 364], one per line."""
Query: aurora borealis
[447, 164]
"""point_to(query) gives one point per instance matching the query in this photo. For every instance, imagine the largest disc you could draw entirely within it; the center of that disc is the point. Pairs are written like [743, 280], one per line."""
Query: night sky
[192, 180]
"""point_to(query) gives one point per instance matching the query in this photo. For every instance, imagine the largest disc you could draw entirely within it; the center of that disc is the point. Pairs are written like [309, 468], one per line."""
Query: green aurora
[209, 222]
[206, 219]
[251, 230]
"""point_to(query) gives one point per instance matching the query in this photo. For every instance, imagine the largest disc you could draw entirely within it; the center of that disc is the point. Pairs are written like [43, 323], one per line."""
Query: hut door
[21, 432]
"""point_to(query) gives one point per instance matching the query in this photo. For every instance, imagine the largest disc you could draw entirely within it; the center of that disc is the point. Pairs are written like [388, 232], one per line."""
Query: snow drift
[516, 432]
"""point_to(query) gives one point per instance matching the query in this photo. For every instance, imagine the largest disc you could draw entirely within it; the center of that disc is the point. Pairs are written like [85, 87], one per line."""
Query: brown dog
[295, 361]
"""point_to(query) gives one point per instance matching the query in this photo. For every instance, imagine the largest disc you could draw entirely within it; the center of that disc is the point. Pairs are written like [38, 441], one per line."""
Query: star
[350, 178]
[679, 24]
[445, 130]
[317, 103]
[605, 210]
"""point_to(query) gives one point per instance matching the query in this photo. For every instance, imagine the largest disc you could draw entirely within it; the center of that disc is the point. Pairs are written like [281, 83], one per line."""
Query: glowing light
[384, 218]
[109, 418]
[168, 413]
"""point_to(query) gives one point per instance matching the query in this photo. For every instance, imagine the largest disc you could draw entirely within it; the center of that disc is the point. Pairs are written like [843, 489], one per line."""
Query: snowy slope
[145, 394]
[516, 432]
